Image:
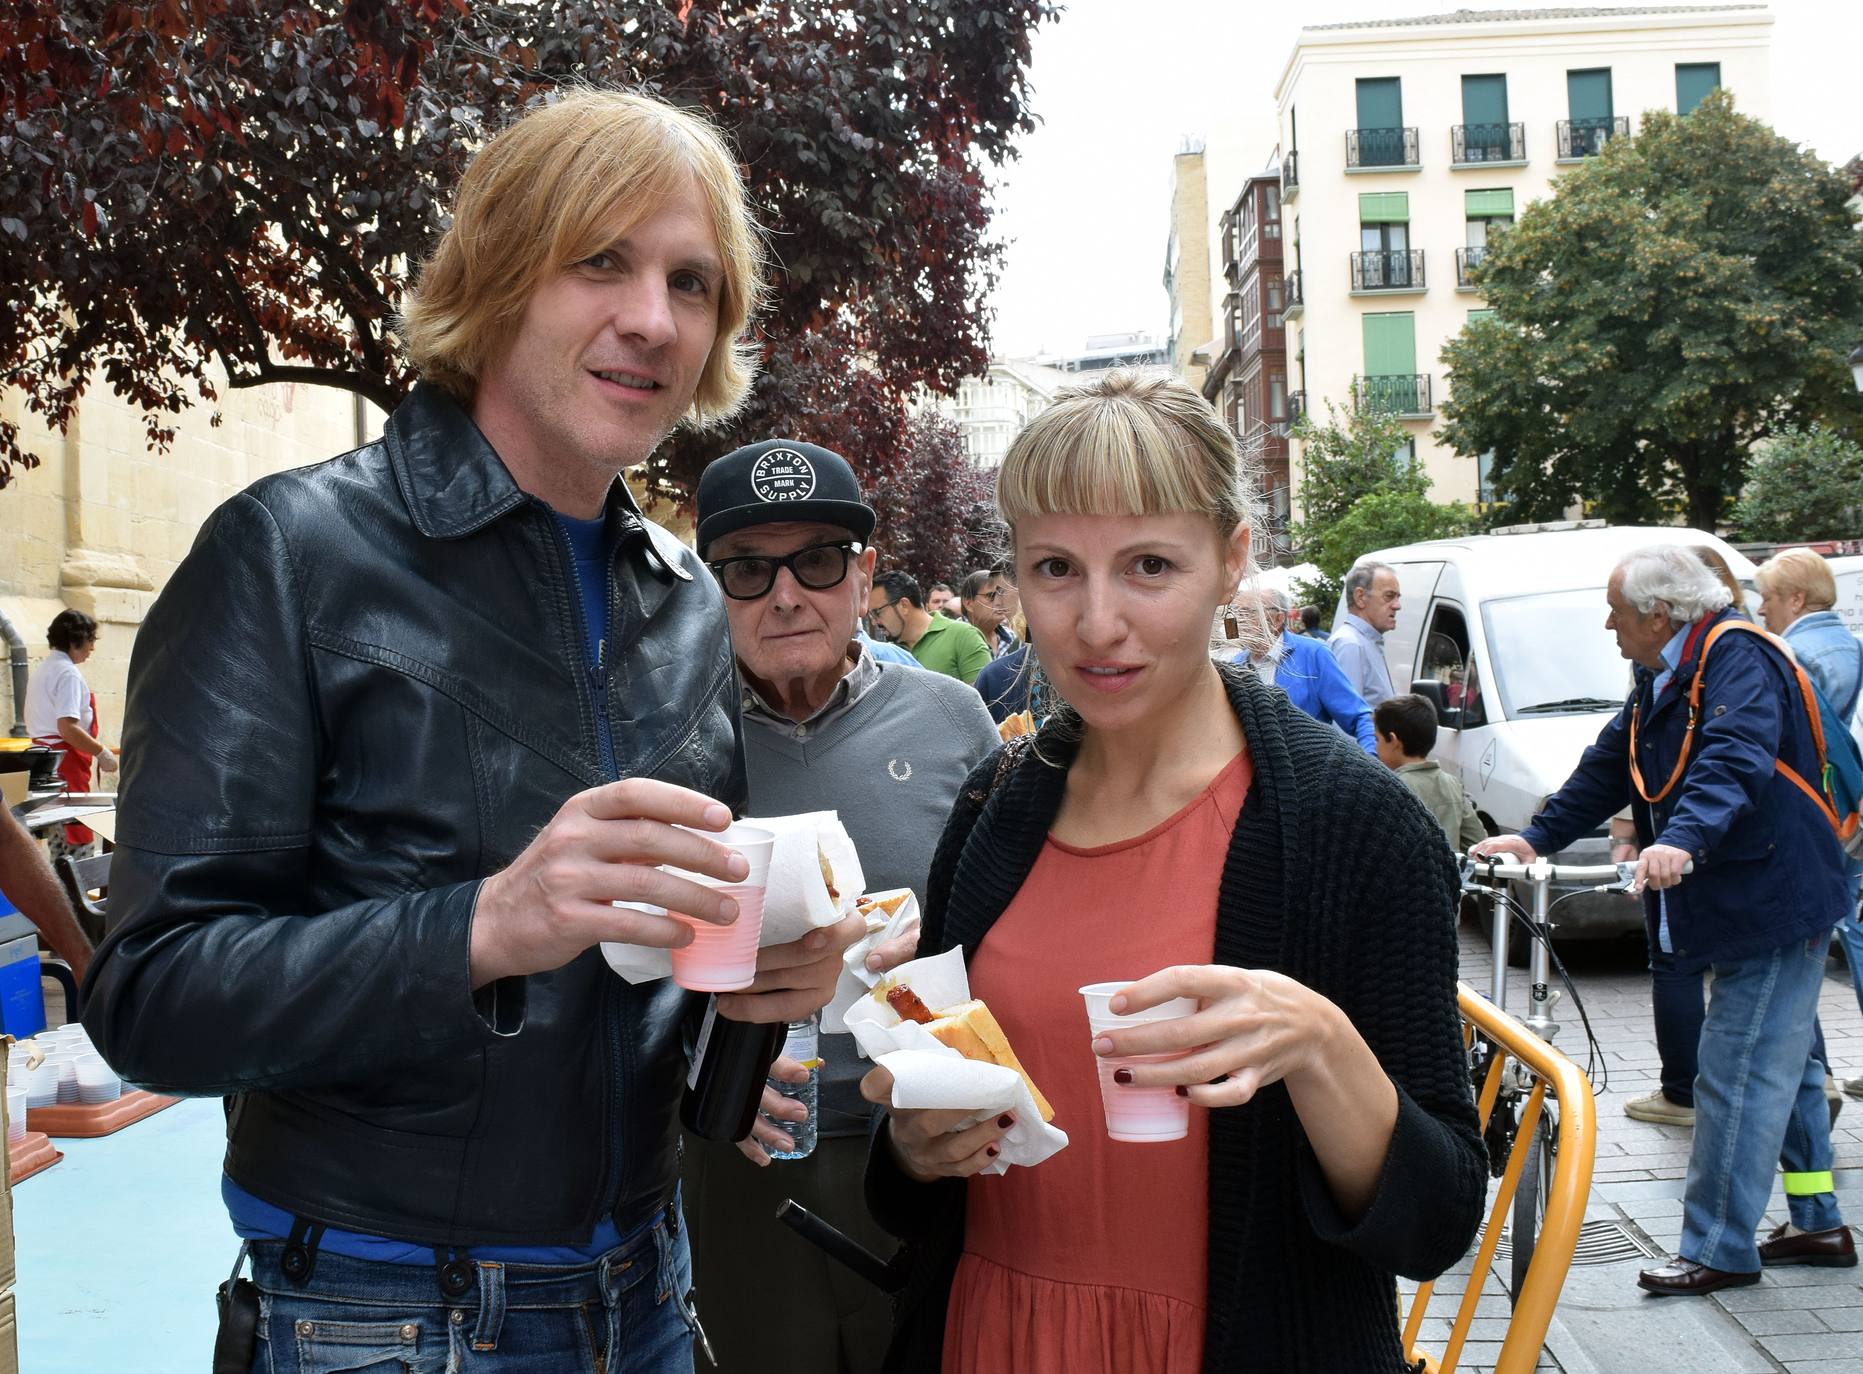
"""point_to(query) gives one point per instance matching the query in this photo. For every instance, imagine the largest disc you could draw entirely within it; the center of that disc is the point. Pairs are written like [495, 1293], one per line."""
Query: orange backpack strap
[1806, 694]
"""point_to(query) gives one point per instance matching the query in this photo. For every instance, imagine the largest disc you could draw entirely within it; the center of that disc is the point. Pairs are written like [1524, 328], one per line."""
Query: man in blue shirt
[1705, 787]
[1372, 602]
[1303, 669]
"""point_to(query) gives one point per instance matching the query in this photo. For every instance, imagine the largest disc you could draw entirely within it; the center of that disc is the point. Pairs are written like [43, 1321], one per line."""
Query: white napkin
[856, 979]
[927, 1073]
[796, 900]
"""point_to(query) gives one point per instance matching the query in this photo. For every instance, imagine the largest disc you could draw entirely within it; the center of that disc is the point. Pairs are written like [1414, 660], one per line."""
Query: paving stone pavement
[1804, 1321]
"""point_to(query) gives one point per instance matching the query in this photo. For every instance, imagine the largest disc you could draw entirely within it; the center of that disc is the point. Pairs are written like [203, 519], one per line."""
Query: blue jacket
[1768, 870]
[1831, 656]
[1312, 677]
[1004, 684]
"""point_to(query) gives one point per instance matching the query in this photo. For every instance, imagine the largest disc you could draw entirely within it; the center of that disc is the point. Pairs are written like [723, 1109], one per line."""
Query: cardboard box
[9, 1335]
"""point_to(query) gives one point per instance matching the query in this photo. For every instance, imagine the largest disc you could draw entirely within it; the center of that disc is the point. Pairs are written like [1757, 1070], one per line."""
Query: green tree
[243, 186]
[1804, 484]
[1356, 496]
[1686, 293]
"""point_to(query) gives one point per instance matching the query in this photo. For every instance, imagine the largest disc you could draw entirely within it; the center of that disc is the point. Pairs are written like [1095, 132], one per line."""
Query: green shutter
[1474, 315]
[1390, 345]
[1384, 207]
[1380, 103]
[1484, 100]
[1588, 93]
[1490, 204]
[1693, 81]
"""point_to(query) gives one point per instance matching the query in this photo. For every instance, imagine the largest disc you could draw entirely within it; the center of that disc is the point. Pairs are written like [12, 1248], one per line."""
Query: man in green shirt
[896, 611]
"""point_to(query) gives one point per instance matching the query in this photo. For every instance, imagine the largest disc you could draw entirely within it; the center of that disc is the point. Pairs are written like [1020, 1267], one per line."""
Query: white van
[1848, 571]
[1506, 632]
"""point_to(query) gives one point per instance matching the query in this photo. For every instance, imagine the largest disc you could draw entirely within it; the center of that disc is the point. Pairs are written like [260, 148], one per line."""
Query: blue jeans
[1759, 1097]
[625, 1313]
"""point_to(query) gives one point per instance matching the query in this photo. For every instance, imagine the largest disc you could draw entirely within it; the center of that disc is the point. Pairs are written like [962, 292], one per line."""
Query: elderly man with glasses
[827, 726]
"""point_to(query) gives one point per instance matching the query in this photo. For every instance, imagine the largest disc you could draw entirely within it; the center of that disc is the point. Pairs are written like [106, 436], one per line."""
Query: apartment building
[1187, 263]
[1247, 379]
[989, 411]
[1404, 143]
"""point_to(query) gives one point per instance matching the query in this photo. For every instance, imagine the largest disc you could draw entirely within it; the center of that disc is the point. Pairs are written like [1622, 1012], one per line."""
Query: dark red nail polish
[992, 1151]
[1005, 1121]
[1182, 1091]
[1122, 1075]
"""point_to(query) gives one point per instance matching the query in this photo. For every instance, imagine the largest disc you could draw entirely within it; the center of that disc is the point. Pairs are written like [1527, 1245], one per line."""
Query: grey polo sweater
[888, 752]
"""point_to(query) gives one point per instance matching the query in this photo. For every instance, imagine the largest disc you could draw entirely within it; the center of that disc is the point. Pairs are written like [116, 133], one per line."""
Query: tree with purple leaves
[197, 189]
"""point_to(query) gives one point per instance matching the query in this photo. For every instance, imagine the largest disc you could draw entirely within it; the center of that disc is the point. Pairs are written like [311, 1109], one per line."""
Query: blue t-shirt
[255, 1219]
[588, 548]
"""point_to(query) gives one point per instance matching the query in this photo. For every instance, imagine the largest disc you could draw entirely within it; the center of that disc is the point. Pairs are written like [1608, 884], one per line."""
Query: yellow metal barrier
[1565, 1197]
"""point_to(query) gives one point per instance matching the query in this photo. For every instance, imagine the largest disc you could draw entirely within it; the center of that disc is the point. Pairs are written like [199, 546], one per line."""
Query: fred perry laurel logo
[782, 474]
[898, 770]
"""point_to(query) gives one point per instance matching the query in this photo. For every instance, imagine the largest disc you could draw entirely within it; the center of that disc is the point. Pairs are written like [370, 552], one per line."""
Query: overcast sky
[1119, 83]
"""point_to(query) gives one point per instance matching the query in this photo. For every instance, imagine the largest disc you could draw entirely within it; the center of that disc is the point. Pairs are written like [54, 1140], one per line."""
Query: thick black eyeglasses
[818, 567]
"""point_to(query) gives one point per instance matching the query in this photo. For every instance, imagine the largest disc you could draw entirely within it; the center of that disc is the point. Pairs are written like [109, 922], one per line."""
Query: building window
[1486, 492]
[1693, 81]
[1272, 288]
[1484, 120]
[1592, 118]
[1277, 397]
[1405, 455]
[1380, 141]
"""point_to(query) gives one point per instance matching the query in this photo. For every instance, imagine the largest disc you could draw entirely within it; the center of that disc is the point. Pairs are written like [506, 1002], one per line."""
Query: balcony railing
[1388, 271]
[1393, 394]
[1587, 137]
[1466, 261]
[1487, 143]
[1296, 407]
[1294, 301]
[1290, 176]
[1381, 148]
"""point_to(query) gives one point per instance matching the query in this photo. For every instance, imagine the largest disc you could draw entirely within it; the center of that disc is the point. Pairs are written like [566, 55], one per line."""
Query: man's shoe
[1832, 1097]
[1683, 1278]
[1658, 1108]
[1854, 1086]
[1832, 1249]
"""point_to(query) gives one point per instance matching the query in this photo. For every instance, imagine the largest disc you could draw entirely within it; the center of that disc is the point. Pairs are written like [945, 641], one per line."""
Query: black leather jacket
[364, 690]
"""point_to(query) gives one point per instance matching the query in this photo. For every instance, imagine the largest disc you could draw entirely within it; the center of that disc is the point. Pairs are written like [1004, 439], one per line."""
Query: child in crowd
[1406, 729]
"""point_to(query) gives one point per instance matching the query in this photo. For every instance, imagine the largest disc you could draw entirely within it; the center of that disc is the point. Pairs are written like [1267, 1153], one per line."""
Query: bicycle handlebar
[1475, 866]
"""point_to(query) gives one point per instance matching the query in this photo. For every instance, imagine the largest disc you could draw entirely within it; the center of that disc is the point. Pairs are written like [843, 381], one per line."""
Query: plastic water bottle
[800, 1045]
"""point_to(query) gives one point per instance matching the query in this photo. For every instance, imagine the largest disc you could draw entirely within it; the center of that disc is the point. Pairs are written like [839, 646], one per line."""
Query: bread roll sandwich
[968, 1028]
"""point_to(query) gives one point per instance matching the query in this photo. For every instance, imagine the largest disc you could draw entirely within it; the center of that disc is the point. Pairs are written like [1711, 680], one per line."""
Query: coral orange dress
[1095, 1260]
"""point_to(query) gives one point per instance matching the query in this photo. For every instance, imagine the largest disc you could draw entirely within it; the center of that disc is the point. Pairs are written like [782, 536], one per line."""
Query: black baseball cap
[776, 481]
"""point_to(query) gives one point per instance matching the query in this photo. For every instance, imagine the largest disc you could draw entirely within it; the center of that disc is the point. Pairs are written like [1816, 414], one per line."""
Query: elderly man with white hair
[1705, 787]
[1303, 668]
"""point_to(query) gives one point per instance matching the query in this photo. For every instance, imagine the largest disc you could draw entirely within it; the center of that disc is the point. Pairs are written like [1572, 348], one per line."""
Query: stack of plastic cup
[65, 1062]
[97, 1081]
[1137, 1113]
[724, 958]
[15, 1114]
[41, 1083]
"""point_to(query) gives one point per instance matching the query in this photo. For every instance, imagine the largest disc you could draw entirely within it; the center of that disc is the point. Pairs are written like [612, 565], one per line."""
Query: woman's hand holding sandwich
[930, 1144]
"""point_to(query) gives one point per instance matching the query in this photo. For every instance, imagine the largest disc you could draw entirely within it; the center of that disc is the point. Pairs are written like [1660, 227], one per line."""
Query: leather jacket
[364, 690]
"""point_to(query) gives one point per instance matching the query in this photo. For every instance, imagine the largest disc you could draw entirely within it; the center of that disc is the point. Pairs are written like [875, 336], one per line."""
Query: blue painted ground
[121, 1245]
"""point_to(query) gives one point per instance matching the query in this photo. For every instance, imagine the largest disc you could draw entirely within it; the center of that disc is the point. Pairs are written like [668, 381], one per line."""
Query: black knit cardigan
[1338, 877]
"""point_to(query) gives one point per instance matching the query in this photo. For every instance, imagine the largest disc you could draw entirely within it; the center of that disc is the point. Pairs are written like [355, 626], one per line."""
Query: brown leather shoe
[1682, 1278]
[1832, 1249]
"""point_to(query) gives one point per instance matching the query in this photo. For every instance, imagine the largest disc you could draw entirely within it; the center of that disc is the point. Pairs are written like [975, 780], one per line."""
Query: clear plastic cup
[1137, 1113]
[15, 1115]
[724, 958]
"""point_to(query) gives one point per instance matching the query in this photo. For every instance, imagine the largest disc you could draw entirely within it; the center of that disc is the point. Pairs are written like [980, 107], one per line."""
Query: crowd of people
[412, 732]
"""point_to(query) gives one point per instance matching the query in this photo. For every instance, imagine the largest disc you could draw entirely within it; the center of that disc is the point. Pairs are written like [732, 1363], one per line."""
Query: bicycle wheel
[1530, 1197]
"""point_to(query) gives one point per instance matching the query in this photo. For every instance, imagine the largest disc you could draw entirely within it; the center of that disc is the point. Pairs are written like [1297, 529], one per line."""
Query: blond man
[401, 729]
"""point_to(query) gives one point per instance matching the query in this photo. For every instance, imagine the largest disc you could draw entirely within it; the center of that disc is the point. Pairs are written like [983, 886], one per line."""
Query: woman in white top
[61, 712]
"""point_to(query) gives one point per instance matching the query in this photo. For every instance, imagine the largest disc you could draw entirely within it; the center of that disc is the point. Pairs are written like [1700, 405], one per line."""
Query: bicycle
[1486, 876]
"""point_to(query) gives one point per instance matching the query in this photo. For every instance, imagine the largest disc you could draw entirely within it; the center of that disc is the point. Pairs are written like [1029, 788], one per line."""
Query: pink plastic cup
[1134, 1112]
[724, 958]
